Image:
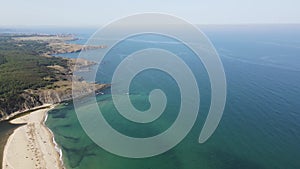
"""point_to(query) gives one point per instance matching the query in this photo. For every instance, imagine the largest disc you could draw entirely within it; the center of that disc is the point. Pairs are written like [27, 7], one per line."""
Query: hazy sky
[98, 12]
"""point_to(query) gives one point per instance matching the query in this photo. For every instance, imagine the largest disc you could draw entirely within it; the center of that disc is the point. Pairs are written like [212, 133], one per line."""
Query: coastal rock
[35, 98]
[52, 81]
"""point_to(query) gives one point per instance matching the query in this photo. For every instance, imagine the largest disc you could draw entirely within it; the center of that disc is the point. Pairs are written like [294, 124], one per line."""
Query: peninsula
[30, 76]
[32, 83]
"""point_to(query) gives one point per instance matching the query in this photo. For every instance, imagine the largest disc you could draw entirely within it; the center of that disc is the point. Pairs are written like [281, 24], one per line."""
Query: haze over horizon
[96, 13]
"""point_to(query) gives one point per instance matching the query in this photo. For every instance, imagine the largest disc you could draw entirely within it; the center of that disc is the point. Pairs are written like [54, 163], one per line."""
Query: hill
[30, 77]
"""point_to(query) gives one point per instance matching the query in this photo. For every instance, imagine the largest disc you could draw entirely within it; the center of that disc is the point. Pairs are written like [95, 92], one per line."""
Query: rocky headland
[58, 82]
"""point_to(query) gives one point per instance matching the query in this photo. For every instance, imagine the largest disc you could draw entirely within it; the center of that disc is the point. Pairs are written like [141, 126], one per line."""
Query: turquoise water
[261, 122]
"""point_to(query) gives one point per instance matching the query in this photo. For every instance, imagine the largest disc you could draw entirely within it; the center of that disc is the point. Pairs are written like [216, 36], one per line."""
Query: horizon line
[97, 26]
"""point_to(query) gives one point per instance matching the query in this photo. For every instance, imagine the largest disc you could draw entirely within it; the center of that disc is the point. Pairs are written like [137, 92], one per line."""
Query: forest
[23, 66]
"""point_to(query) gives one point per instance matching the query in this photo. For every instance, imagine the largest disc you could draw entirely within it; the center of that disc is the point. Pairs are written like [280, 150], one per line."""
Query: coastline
[54, 143]
[25, 146]
[32, 145]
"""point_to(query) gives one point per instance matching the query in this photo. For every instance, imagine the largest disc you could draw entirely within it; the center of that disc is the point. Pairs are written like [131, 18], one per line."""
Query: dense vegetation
[2, 59]
[22, 66]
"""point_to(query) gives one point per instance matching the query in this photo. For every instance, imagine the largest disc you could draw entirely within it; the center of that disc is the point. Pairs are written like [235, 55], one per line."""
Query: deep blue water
[261, 122]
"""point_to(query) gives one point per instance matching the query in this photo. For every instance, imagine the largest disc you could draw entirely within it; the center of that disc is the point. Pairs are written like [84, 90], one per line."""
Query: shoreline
[54, 143]
[21, 113]
[32, 145]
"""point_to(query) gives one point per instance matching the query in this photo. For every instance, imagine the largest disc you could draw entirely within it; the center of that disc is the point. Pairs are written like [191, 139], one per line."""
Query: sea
[260, 127]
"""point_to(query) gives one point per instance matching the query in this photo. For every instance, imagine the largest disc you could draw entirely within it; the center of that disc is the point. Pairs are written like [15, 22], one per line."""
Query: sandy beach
[31, 146]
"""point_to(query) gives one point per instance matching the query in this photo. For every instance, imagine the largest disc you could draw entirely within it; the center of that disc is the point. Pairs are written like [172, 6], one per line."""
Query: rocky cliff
[31, 77]
[35, 98]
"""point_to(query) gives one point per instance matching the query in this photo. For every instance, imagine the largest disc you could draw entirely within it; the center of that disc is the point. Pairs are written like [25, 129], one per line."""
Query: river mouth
[6, 129]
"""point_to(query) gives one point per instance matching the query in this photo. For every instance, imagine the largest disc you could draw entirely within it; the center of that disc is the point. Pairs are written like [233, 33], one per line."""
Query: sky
[99, 12]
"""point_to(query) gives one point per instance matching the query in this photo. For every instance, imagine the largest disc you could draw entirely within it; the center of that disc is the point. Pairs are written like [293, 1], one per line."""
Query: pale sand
[31, 146]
